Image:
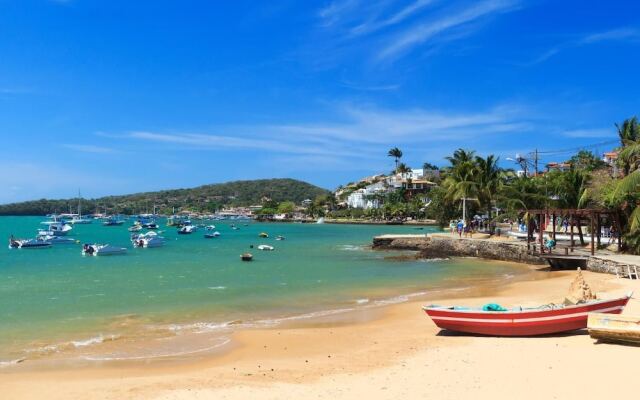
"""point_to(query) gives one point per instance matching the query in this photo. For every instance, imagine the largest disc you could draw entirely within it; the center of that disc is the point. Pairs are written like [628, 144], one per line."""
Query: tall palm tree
[629, 134]
[461, 156]
[397, 154]
[488, 177]
[402, 168]
[628, 130]
[461, 180]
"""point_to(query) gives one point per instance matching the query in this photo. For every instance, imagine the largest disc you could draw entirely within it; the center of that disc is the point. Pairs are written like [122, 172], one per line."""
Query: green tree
[286, 207]
[586, 160]
[396, 153]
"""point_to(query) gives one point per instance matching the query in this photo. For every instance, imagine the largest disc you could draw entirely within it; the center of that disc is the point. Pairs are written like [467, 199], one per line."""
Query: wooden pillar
[540, 233]
[598, 228]
[593, 239]
[619, 231]
[571, 232]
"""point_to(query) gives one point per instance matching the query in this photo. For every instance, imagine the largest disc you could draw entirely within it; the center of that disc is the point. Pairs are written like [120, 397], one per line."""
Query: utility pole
[535, 158]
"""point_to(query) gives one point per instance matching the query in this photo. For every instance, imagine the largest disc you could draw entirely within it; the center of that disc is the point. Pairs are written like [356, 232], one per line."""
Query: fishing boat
[28, 243]
[614, 328]
[546, 319]
[246, 257]
[211, 235]
[102, 250]
[266, 247]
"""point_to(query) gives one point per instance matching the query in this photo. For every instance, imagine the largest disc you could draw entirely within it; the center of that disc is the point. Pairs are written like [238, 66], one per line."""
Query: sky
[115, 97]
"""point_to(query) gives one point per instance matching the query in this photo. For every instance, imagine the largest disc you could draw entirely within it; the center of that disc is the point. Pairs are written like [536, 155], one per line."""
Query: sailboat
[78, 219]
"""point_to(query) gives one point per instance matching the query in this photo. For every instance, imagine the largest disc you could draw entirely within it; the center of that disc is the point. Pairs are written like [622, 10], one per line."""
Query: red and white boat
[522, 321]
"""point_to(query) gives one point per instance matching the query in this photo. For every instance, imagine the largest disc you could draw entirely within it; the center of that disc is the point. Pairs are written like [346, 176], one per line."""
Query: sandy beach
[396, 352]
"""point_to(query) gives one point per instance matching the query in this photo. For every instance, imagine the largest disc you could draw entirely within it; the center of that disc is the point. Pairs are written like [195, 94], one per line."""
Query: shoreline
[321, 356]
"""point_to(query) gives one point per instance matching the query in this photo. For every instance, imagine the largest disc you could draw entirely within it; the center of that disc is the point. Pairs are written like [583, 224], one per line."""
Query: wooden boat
[614, 328]
[246, 257]
[543, 320]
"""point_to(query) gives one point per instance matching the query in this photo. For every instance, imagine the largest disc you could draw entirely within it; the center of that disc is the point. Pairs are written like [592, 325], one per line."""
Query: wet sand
[389, 353]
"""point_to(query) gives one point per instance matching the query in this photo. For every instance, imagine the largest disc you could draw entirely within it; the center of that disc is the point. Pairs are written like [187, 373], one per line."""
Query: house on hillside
[558, 166]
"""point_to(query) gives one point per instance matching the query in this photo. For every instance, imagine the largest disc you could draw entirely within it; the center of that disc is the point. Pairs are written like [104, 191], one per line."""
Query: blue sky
[118, 96]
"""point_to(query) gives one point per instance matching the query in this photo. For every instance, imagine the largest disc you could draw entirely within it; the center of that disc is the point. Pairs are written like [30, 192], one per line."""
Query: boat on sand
[623, 329]
[493, 320]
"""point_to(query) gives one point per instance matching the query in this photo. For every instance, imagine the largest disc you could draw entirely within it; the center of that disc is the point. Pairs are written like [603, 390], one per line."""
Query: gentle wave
[351, 247]
[155, 356]
[217, 287]
[8, 363]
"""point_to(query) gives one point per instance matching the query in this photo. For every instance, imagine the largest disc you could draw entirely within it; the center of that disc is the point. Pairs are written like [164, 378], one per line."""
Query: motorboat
[150, 225]
[112, 221]
[546, 319]
[263, 235]
[55, 228]
[266, 247]
[148, 240]
[210, 235]
[187, 229]
[210, 228]
[28, 243]
[280, 237]
[135, 228]
[58, 239]
[80, 220]
[246, 257]
[102, 250]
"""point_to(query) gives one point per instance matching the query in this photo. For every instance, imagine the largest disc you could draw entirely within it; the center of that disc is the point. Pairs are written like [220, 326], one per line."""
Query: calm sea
[185, 297]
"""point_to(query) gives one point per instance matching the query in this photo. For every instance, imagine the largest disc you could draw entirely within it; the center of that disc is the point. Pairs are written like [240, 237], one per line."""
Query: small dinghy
[263, 235]
[210, 228]
[102, 250]
[246, 257]
[211, 235]
[280, 237]
[266, 247]
[622, 329]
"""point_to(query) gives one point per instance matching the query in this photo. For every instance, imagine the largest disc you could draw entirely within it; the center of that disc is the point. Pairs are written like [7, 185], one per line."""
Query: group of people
[467, 228]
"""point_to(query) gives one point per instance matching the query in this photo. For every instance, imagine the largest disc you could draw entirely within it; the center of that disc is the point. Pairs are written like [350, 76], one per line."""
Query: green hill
[202, 198]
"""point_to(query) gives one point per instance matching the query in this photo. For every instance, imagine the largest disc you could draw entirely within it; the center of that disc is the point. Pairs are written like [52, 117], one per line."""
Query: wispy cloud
[397, 17]
[336, 10]
[89, 148]
[620, 35]
[430, 28]
[590, 133]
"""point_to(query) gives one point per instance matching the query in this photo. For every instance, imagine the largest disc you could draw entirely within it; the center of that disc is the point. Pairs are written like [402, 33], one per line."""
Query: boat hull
[522, 323]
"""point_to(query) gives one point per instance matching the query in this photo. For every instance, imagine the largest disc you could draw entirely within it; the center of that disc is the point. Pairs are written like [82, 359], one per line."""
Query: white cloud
[620, 34]
[89, 148]
[428, 29]
[406, 12]
[590, 133]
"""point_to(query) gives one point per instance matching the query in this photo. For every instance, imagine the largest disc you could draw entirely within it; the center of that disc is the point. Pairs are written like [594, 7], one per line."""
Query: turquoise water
[55, 296]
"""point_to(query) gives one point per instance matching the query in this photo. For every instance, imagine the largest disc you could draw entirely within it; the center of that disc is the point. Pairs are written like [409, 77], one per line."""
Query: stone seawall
[442, 247]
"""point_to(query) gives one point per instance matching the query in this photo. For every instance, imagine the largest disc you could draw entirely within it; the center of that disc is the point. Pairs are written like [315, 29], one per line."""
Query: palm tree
[629, 134]
[402, 168]
[461, 179]
[461, 156]
[489, 177]
[397, 154]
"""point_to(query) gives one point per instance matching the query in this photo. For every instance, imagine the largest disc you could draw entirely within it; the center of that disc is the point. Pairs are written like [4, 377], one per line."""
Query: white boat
[102, 250]
[54, 228]
[266, 247]
[58, 239]
[210, 235]
[210, 228]
[187, 229]
[135, 228]
[79, 220]
[148, 240]
[280, 237]
[113, 221]
[28, 244]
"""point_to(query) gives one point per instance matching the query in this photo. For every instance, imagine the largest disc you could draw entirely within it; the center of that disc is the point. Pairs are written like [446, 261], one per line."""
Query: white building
[362, 198]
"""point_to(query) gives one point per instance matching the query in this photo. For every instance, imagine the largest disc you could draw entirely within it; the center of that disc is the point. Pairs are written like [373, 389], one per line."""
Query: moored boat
[187, 229]
[28, 243]
[211, 235]
[263, 235]
[102, 250]
[246, 257]
[148, 240]
[614, 328]
[266, 247]
[546, 319]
